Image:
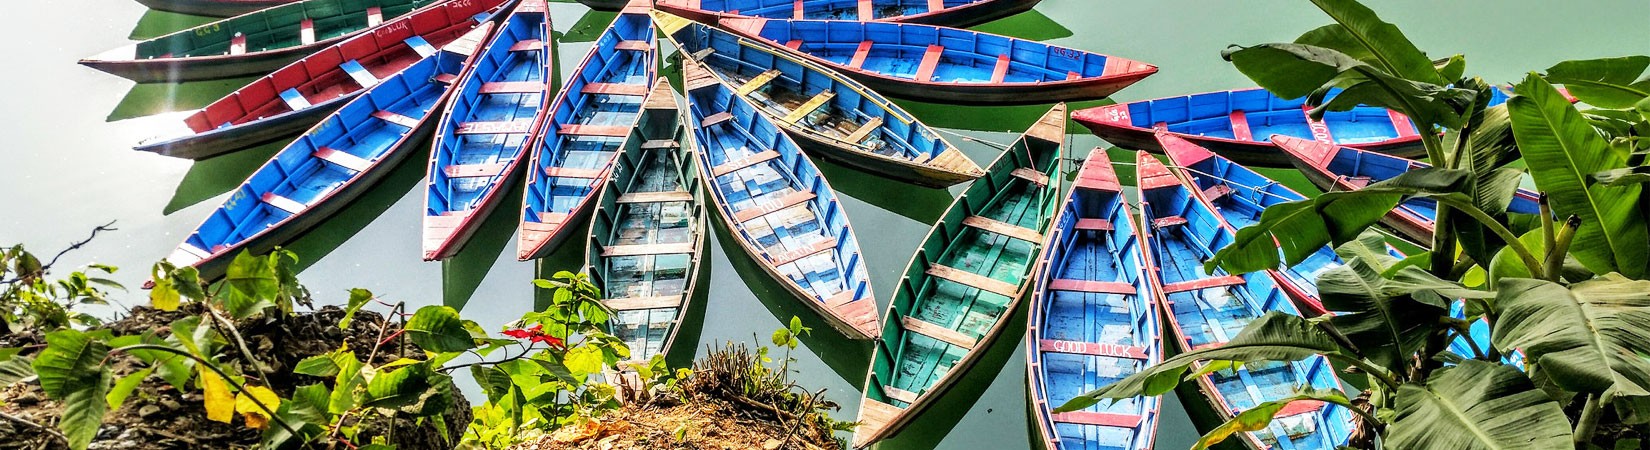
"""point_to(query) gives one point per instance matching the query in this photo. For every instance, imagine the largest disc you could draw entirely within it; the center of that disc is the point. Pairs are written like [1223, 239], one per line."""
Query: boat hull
[1242, 152]
[1412, 227]
[212, 8]
[466, 229]
[917, 174]
[988, 94]
[240, 137]
[171, 70]
[955, 17]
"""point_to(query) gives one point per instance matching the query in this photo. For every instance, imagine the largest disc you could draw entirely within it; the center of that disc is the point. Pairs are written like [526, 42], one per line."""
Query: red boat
[951, 13]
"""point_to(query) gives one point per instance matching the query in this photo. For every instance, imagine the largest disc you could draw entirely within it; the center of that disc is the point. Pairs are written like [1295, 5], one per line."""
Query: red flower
[536, 334]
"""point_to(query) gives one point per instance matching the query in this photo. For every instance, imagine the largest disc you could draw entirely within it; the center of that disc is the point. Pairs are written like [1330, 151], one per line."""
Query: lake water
[67, 167]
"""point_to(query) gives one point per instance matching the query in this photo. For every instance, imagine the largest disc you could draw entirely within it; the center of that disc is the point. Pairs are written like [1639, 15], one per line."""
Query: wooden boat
[212, 8]
[1236, 124]
[778, 206]
[1238, 195]
[604, 5]
[964, 281]
[647, 236]
[951, 13]
[1340, 168]
[583, 130]
[290, 99]
[483, 133]
[252, 43]
[331, 164]
[1092, 320]
[828, 114]
[1206, 310]
[946, 65]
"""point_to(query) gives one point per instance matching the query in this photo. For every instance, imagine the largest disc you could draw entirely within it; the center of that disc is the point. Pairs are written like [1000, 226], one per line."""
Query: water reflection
[462, 274]
[211, 177]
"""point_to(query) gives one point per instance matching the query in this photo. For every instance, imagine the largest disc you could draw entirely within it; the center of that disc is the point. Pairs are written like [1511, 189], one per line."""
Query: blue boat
[331, 164]
[948, 65]
[826, 113]
[1237, 124]
[647, 236]
[483, 133]
[1093, 319]
[951, 13]
[574, 146]
[1207, 310]
[1240, 195]
[778, 207]
[1340, 168]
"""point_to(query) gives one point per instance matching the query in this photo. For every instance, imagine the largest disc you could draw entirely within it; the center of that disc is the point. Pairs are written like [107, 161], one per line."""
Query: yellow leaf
[255, 416]
[164, 297]
[220, 404]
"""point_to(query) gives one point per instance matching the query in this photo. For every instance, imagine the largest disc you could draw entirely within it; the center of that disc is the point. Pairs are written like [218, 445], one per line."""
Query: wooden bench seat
[1240, 126]
[937, 332]
[568, 172]
[594, 130]
[1005, 229]
[758, 81]
[1216, 192]
[1094, 225]
[730, 166]
[398, 119]
[717, 118]
[359, 73]
[306, 31]
[809, 107]
[864, 130]
[294, 100]
[1098, 287]
[635, 90]
[282, 203]
[1098, 418]
[473, 170]
[647, 249]
[342, 159]
[1401, 124]
[860, 53]
[1032, 175]
[633, 45]
[1000, 71]
[655, 197]
[660, 144]
[237, 44]
[642, 303]
[974, 280]
[1203, 283]
[375, 16]
[513, 87]
[787, 201]
[1165, 222]
[819, 246]
[930, 62]
[511, 127]
[527, 45]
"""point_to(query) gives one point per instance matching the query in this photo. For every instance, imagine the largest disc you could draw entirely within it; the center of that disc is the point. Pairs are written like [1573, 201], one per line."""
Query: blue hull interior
[452, 189]
[589, 120]
[1127, 320]
[852, 105]
[1371, 167]
[1264, 115]
[969, 57]
[1211, 316]
[344, 147]
[825, 9]
[1242, 196]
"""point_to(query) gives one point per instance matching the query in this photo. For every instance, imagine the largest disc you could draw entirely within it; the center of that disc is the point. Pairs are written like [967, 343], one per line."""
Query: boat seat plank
[1296, 408]
[867, 10]
[797, 11]
[294, 100]
[1217, 192]
[194, 251]
[513, 87]
[446, 78]
[359, 73]
[787, 201]
[342, 159]
[1354, 181]
[809, 107]
[1320, 130]
[1401, 124]
[1098, 418]
[237, 44]
[660, 144]
[936, 5]
[306, 31]
[646, 249]
[656, 197]
[937, 332]
[394, 118]
[641, 303]
[549, 220]
[1092, 348]
[568, 172]
[375, 16]
[1000, 72]
[730, 166]
[794, 44]
[865, 130]
[634, 45]
[420, 46]
[1203, 283]
[1094, 224]
[974, 280]
[1165, 222]
[899, 394]
[283, 203]
[1032, 175]
[758, 81]
[527, 45]
[819, 246]
[511, 127]
[1073, 76]
[1097, 287]
[473, 170]
[1003, 228]
[864, 51]
[1240, 126]
[717, 118]
[594, 130]
[930, 61]
[614, 89]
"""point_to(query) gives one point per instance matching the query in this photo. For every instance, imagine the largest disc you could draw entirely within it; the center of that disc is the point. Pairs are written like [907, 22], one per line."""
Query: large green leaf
[438, 329]
[15, 368]
[1275, 336]
[400, 387]
[1614, 83]
[71, 371]
[1588, 337]
[1295, 70]
[1387, 317]
[1562, 150]
[1376, 42]
[1260, 416]
[253, 285]
[1477, 405]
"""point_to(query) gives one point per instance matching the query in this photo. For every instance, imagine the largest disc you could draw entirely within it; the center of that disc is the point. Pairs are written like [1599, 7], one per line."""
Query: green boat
[254, 43]
[964, 282]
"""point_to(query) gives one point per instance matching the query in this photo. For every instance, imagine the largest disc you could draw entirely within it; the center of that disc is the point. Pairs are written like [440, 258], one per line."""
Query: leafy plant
[29, 301]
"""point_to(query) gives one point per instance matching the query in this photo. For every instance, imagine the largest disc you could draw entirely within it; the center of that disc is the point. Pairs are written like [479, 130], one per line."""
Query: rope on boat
[973, 139]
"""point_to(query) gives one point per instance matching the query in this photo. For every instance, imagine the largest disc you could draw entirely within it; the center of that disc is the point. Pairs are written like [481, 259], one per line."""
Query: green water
[67, 167]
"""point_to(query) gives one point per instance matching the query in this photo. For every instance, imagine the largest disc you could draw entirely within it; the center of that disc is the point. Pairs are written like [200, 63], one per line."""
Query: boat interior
[831, 9]
[937, 54]
[1256, 115]
[1240, 194]
[300, 23]
[493, 115]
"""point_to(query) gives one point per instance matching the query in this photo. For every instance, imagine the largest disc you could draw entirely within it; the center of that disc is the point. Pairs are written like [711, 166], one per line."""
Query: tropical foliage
[1564, 292]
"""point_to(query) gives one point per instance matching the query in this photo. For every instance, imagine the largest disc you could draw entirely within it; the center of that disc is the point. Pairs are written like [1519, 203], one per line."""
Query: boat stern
[1314, 154]
[874, 417]
[1182, 152]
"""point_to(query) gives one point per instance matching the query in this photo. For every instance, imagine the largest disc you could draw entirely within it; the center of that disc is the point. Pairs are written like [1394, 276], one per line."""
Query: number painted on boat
[1065, 53]
[208, 30]
[234, 200]
[1120, 114]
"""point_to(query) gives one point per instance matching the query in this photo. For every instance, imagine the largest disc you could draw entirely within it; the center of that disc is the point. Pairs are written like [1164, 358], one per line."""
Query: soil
[157, 416]
[704, 423]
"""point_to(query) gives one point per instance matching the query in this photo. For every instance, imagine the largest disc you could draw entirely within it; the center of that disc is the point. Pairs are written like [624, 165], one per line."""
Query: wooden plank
[1098, 418]
[974, 280]
[1003, 228]
[568, 172]
[787, 201]
[1240, 126]
[1164, 222]
[633, 45]
[730, 166]
[511, 127]
[342, 159]
[1203, 283]
[473, 170]
[819, 246]
[656, 197]
[1094, 224]
[294, 100]
[647, 249]
[375, 16]
[1092, 348]
[306, 31]
[635, 90]
[660, 144]
[937, 332]
[641, 303]
[794, 44]
[1000, 72]
[1299, 407]
[617, 131]
[1355, 182]
[1216, 192]
[527, 45]
[717, 118]
[860, 54]
[283, 203]
[446, 78]
[865, 130]
[796, 10]
[1401, 124]
[1032, 175]
[1097, 287]
[395, 118]
[758, 81]
[899, 394]
[514, 87]
[866, 10]
[936, 5]
[809, 106]
[1320, 130]
[930, 61]
[358, 73]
